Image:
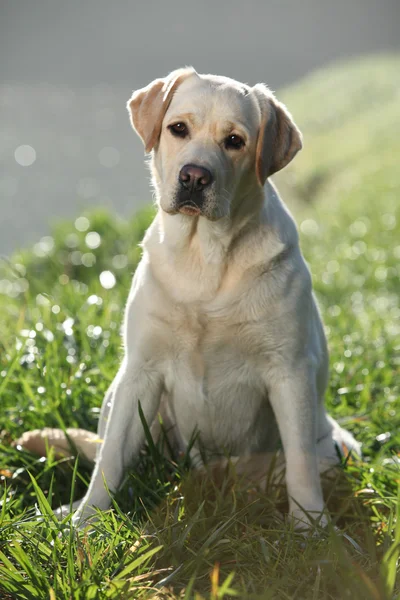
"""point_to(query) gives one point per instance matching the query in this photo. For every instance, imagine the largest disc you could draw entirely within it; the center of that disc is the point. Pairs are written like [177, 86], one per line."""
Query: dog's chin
[194, 211]
[190, 211]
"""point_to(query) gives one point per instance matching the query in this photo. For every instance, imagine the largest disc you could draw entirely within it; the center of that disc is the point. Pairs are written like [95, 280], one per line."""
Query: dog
[222, 334]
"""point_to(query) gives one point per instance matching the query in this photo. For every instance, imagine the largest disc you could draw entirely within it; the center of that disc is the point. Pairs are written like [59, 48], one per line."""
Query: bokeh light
[25, 155]
[109, 157]
[107, 280]
[93, 240]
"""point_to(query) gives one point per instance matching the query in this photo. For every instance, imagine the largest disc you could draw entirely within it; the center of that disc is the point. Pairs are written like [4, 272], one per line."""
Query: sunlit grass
[170, 533]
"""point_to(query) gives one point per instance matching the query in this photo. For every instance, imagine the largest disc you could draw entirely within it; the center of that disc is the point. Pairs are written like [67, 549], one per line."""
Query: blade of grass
[137, 563]
[388, 570]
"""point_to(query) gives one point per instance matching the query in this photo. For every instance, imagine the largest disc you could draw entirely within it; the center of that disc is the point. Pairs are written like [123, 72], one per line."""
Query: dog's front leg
[294, 400]
[123, 434]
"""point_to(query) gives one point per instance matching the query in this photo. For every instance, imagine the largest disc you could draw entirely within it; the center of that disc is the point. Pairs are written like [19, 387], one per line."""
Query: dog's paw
[62, 511]
[66, 509]
[310, 523]
[84, 516]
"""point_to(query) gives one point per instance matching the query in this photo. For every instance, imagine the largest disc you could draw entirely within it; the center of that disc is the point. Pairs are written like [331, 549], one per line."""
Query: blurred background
[68, 68]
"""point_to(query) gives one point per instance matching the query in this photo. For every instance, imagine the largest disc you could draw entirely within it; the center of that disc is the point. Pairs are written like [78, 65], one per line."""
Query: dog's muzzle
[193, 181]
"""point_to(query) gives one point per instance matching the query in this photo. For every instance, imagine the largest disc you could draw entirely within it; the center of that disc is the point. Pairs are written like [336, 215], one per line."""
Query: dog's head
[213, 140]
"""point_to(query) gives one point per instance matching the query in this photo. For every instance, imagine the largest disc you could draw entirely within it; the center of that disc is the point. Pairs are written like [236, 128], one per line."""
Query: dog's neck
[194, 252]
[210, 240]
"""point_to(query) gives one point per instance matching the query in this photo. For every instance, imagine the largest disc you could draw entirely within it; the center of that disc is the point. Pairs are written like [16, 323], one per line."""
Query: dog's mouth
[190, 210]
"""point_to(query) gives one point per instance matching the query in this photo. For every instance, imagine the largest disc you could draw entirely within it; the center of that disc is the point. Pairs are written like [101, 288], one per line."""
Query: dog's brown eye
[179, 130]
[234, 142]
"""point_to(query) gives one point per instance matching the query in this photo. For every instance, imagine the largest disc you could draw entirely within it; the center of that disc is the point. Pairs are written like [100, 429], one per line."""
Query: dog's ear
[279, 139]
[148, 106]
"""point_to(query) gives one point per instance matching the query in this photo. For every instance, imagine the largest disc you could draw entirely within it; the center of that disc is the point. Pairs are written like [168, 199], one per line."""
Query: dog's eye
[234, 142]
[179, 130]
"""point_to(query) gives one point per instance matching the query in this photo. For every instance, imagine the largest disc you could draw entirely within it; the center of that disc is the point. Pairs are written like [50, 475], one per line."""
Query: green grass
[169, 534]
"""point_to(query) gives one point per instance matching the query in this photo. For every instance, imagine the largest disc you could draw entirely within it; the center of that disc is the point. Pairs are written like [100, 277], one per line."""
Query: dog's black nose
[194, 178]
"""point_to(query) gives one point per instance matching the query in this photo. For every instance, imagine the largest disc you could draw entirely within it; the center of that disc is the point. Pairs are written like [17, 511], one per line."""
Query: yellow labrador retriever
[222, 333]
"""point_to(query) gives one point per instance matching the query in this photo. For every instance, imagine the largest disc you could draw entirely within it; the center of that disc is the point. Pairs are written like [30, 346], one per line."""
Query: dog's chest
[215, 387]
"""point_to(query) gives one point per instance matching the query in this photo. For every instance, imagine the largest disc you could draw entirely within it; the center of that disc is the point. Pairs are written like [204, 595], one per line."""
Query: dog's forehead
[216, 97]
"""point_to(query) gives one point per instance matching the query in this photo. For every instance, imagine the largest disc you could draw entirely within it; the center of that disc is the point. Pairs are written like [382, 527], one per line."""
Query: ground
[169, 534]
